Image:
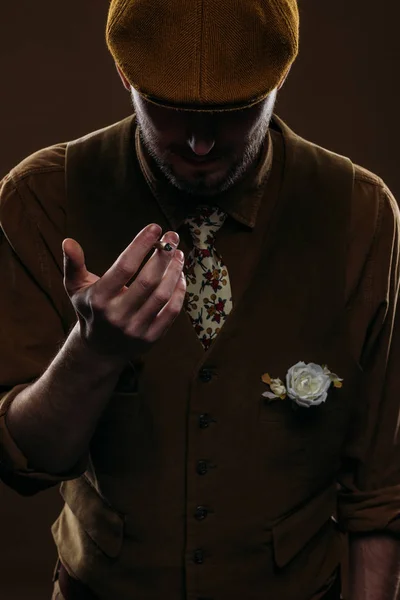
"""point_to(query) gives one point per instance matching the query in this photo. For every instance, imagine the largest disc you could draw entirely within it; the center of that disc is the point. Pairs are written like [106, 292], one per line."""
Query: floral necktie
[208, 299]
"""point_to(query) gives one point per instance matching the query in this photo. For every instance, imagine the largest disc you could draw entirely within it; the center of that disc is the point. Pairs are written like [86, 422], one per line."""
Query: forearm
[374, 567]
[53, 420]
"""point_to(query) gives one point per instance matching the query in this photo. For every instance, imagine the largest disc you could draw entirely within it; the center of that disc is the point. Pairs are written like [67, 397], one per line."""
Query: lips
[200, 160]
[197, 160]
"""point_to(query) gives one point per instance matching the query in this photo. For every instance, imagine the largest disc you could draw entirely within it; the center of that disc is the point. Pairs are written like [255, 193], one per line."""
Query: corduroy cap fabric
[203, 55]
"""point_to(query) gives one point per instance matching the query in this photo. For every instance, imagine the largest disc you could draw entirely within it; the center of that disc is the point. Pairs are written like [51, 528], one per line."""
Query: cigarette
[163, 246]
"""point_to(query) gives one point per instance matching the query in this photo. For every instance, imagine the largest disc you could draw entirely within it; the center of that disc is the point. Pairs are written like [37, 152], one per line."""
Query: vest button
[202, 467]
[205, 375]
[204, 421]
[201, 513]
[198, 556]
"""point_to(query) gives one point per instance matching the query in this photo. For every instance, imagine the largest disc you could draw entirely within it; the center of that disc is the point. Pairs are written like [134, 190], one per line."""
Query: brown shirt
[195, 430]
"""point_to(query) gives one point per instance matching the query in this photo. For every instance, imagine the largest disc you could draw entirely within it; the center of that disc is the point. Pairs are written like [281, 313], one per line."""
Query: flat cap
[204, 55]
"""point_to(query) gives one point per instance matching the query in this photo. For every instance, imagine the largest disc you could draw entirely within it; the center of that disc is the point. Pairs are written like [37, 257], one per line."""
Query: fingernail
[172, 235]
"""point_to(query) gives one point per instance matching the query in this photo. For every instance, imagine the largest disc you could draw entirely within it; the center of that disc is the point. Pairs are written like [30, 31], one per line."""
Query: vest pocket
[103, 524]
[285, 411]
[293, 532]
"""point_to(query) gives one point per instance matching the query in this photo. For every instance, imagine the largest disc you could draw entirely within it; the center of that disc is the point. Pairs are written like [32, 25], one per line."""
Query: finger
[169, 313]
[160, 296]
[75, 272]
[129, 261]
[149, 277]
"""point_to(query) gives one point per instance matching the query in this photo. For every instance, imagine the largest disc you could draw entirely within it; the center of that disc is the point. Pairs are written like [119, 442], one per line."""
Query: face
[203, 154]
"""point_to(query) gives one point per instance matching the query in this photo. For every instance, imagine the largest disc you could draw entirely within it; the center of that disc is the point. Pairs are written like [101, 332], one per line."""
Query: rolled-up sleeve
[33, 320]
[15, 469]
[369, 496]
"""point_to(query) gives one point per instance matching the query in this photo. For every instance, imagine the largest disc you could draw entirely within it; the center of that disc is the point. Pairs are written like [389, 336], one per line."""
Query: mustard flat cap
[204, 55]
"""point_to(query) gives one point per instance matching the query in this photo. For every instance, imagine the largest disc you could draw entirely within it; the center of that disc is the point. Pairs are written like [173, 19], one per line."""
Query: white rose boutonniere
[306, 384]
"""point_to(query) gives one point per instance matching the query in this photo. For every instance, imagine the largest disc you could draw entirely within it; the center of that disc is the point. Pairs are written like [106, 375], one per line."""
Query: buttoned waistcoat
[197, 486]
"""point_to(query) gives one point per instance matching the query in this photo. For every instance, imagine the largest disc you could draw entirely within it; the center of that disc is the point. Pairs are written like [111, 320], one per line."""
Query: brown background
[58, 82]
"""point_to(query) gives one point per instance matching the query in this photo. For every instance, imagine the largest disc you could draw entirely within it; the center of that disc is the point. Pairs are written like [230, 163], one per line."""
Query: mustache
[184, 152]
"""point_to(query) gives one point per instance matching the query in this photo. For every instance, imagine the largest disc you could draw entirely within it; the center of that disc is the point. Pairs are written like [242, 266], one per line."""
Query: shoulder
[372, 204]
[34, 191]
[46, 160]
[374, 207]
[39, 174]
[373, 219]
[373, 236]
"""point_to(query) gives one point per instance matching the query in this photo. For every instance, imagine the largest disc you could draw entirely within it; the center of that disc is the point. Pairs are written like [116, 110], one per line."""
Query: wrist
[92, 357]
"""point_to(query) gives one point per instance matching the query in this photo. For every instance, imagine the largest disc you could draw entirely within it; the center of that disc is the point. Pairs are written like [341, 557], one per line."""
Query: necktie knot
[205, 224]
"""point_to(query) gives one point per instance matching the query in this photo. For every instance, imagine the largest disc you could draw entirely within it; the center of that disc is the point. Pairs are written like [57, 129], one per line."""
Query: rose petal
[309, 403]
[303, 404]
[315, 368]
[270, 395]
[299, 364]
[277, 387]
[266, 378]
[334, 377]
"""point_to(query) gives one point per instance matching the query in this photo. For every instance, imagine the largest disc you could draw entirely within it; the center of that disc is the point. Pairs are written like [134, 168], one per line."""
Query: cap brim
[202, 107]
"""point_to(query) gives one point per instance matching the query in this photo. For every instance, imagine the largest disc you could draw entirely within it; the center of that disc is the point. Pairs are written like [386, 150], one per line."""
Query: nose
[202, 129]
[201, 146]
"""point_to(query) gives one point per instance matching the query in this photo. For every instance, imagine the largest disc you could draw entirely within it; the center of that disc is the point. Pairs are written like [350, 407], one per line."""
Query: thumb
[76, 276]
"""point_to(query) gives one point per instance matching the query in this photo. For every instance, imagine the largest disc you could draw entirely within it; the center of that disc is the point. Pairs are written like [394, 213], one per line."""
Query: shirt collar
[241, 202]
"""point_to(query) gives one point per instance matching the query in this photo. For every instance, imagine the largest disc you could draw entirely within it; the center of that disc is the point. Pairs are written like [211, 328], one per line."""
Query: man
[218, 414]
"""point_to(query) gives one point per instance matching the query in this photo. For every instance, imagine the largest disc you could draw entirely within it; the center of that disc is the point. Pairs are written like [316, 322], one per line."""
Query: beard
[209, 184]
